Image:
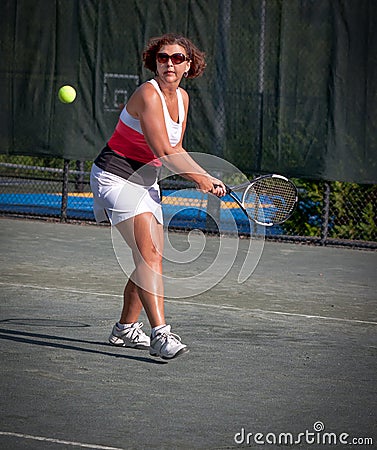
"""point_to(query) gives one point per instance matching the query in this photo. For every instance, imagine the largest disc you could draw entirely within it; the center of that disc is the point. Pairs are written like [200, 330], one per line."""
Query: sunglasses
[176, 58]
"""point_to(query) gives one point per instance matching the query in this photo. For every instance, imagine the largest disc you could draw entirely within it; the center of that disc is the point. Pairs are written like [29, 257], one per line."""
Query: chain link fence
[327, 214]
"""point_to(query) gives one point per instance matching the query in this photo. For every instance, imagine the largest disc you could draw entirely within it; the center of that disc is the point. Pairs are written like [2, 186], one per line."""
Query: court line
[280, 313]
[206, 305]
[58, 441]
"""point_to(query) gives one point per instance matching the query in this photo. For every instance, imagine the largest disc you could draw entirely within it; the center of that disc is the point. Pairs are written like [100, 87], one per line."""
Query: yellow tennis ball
[67, 94]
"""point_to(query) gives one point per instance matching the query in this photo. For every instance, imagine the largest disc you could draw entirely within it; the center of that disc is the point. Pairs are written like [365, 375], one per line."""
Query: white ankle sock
[123, 326]
[155, 329]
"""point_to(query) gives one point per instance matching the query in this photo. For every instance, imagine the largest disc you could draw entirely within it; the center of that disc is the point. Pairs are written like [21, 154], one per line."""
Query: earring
[185, 74]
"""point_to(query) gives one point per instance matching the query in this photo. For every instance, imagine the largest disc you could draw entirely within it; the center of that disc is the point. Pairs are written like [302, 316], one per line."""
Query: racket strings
[270, 200]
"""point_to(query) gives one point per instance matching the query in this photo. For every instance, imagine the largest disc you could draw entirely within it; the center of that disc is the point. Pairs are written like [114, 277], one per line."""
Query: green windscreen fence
[290, 86]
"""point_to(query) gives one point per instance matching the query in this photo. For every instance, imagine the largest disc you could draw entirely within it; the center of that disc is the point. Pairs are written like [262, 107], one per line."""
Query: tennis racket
[267, 200]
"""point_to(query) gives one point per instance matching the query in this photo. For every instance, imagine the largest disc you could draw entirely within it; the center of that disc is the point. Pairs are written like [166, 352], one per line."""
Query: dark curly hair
[196, 56]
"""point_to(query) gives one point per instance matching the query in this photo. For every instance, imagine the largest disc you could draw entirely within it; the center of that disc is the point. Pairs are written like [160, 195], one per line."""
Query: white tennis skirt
[117, 199]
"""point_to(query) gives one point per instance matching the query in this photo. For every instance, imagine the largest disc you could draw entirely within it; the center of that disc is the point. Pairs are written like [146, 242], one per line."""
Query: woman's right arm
[146, 105]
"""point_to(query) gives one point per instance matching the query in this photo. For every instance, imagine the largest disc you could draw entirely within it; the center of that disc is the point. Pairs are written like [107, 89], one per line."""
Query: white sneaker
[166, 344]
[132, 336]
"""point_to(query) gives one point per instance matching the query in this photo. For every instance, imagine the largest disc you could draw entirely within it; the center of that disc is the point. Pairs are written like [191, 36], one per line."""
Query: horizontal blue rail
[182, 209]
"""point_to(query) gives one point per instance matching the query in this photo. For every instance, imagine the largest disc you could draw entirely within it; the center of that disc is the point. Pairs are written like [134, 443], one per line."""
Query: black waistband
[127, 168]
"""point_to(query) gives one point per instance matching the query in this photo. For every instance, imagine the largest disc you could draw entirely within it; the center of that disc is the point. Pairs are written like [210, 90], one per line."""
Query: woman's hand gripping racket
[267, 200]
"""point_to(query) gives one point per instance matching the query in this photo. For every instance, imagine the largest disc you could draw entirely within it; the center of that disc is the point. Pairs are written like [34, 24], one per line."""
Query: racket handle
[226, 187]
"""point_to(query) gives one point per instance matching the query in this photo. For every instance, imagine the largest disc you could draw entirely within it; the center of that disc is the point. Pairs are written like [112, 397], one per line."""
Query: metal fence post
[325, 212]
[225, 9]
[262, 32]
[79, 183]
[63, 211]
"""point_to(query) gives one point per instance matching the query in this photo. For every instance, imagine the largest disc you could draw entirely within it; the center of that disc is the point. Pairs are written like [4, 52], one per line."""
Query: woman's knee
[149, 255]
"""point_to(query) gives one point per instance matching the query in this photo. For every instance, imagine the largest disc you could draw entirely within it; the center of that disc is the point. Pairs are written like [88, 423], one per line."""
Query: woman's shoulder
[144, 95]
[148, 92]
[185, 95]
[183, 91]
[145, 92]
[146, 88]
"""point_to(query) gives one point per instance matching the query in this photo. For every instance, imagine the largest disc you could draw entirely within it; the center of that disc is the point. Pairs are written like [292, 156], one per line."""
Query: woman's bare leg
[132, 304]
[144, 235]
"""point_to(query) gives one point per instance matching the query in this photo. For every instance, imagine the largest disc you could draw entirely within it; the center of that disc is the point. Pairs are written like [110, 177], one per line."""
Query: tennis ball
[67, 94]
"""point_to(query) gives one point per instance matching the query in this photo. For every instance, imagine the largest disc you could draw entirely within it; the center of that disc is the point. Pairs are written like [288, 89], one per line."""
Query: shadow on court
[59, 342]
[286, 359]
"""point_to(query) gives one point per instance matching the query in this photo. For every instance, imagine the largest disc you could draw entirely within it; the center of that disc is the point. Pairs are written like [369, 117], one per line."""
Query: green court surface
[287, 359]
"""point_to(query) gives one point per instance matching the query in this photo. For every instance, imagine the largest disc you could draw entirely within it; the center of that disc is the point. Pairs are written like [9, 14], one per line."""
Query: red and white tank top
[128, 139]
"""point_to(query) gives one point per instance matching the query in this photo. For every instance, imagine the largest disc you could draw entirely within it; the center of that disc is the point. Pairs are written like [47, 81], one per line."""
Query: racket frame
[248, 185]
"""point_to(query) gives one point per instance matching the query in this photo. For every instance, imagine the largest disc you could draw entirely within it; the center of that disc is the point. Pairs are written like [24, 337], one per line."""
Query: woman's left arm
[218, 186]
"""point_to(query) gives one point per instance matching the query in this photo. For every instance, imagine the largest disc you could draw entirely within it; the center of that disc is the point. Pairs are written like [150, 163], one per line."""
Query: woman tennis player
[149, 133]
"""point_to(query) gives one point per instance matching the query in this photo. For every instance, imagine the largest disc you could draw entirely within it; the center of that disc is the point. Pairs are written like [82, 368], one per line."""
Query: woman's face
[172, 62]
